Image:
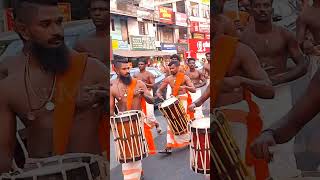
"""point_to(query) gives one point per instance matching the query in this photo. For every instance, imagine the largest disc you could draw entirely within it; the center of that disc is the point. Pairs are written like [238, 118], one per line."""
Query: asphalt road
[159, 166]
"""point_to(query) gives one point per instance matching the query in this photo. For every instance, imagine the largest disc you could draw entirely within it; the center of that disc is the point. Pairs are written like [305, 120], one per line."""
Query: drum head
[126, 116]
[200, 124]
[168, 102]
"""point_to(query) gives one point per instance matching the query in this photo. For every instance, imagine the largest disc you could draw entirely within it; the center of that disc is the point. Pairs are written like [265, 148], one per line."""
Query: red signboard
[166, 15]
[207, 36]
[194, 26]
[198, 46]
[185, 41]
[181, 19]
[8, 19]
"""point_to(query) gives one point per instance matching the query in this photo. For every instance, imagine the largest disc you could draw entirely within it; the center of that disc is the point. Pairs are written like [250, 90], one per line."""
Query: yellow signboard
[207, 2]
[115, 44]
[65, 9]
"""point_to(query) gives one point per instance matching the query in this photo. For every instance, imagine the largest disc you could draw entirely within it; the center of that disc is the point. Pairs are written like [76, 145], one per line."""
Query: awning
[129, 53]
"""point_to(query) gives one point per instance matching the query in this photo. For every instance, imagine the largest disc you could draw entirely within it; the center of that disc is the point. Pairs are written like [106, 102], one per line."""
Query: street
[161, 166]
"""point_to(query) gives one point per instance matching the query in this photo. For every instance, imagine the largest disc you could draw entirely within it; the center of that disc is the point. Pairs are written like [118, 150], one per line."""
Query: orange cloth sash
[64, 97]
[147, 129]
[175, 92]
[224, 52]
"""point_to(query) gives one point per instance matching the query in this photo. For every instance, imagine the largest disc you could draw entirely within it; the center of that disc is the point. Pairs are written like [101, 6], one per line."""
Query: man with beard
[235, 74]
[131, 94]
[206, 67]
[59, 94]
[181, 85]
[198, 81]
[148, 79]
[96, 43]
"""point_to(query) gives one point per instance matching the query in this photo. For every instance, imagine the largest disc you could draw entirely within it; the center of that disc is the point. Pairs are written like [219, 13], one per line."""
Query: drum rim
[137, 158]
[161, 105]
[125, 117]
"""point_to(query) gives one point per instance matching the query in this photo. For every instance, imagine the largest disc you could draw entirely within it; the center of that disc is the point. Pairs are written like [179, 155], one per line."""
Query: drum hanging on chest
[175, 114]
[78, 166]
[225, 154]
[200, 146]
[128, 133]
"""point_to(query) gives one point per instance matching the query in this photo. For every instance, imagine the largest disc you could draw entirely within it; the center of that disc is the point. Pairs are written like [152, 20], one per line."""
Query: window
[112, 25]
[183, 33]
[194, 8]
[143, 28]
[205, 11]
[181, 7]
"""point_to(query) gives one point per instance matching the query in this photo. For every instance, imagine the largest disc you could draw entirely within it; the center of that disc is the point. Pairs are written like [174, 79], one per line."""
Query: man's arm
[163, 85]
[7, 134]
[146, 94]
[298, 58]
[203, 98]
[300, 114]
[151, 80]
[257, 80]
[189, 85]
[301, 30]
[202, 79]
[112, 103]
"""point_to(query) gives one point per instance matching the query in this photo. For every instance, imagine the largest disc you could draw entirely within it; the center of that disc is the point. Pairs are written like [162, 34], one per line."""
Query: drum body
[175, 114]
[200, 146]
[225, 154]
[67, 167]
[128, 133]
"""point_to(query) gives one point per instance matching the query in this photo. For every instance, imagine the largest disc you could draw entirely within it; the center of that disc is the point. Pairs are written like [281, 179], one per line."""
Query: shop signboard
[194, 26]
[198, 46]
[142, 43]
[65, 9]
[123, 45]
[166, 15]
[207, 36]
[168, 46]
[115, 44]
[198, 36]
[185, 41]
[181, 19]
[204, 27]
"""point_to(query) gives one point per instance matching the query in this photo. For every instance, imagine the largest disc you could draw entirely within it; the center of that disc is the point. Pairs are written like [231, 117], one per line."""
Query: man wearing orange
[235, 74]
[131, 94]
[181, 85]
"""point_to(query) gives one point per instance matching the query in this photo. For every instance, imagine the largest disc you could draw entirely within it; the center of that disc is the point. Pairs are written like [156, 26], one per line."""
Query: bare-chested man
[274, 45]
[120, 91]
[148, 79]
[29, 91]
[198, 81]
[96, 43]
[206, 66]
[178, 90]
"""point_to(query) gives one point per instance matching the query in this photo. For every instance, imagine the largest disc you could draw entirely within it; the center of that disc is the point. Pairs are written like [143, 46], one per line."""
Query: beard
[125, 80]
[54, 60]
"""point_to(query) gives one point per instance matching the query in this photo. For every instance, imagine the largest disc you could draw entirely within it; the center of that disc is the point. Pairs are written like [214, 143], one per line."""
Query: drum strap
[147, 130]
[175, 92]
[65, 96]
[224, 50]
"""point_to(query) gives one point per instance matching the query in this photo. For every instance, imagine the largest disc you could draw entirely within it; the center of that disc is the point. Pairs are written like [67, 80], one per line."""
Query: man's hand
[192, 107]
[183, 88]
[231, 84]
[276, 79]
[139, 92]
[308, 47]
[260, 147]
[98, 91]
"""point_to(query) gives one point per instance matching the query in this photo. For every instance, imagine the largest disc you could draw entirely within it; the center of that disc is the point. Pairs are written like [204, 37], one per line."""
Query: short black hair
[175, 56]
[191, 59]
[176, 63]
[252, 1]
[120, 60]
[142, 60]
[25, 9]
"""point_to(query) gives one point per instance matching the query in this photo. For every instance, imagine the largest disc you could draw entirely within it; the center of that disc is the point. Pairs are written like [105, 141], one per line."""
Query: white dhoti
[198, 110]
[272, 110]
[151, 119]
[178, 141]
[132, 170]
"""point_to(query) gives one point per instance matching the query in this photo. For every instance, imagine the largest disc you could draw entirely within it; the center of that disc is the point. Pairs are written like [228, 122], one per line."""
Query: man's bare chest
[194, 76]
